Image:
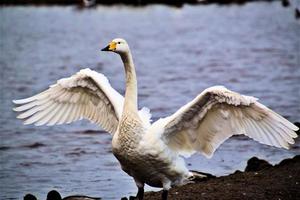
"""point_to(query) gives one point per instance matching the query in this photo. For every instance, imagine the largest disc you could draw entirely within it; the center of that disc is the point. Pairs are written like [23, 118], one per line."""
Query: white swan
[151, 153]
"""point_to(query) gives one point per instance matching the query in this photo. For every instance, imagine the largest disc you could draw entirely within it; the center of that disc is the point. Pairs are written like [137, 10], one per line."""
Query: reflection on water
[252, 49]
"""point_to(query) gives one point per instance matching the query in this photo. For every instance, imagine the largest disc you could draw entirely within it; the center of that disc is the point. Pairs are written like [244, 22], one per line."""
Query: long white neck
[130, 103]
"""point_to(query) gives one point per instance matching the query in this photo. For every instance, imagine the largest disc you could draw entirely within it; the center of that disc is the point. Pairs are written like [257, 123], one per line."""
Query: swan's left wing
[218, 113]
[87, 94]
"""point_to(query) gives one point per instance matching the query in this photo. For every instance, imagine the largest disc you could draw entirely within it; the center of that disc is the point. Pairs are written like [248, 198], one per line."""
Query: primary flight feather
[151, 153]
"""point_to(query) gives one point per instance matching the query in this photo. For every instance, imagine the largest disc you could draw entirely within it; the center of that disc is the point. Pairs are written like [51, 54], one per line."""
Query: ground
[260, 181]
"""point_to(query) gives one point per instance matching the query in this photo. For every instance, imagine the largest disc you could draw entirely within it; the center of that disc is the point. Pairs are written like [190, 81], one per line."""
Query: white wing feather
[87, 94]
[218, 113]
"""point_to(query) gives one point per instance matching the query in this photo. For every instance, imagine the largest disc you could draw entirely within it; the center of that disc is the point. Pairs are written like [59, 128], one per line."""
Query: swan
[153, 153]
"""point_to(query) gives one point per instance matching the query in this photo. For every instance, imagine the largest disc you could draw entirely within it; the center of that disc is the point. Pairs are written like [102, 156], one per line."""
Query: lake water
[252, 49]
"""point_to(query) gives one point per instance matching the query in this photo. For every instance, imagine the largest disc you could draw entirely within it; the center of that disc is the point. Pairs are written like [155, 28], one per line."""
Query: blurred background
[179, 50]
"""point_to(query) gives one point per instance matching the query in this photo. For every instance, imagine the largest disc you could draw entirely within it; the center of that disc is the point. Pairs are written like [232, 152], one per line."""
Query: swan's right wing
[215, 115]
[87, 94]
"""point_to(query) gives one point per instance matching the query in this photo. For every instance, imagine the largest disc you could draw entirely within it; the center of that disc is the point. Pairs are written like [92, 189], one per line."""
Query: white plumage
[150, 153]
[86, 94]
[217, 114]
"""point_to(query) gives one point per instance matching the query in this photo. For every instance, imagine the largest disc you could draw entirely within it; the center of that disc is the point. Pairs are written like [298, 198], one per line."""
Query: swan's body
[151, 153]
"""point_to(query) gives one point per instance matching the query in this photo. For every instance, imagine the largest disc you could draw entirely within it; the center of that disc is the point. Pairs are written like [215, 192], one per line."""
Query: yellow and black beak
[111, 47]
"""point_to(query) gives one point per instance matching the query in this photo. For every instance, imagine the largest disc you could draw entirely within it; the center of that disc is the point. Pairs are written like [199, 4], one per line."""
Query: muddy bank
[125, 2]
[260, 180]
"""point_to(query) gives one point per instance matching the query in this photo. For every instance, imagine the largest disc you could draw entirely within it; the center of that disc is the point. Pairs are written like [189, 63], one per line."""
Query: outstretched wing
[87, 94]
[217, 114]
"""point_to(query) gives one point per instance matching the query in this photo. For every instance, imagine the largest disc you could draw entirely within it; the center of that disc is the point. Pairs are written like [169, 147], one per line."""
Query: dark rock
[124, 198]
[289, 161]
[29, 197]
[297, 16]
[285, 3]
[255, 164]
[53, 194]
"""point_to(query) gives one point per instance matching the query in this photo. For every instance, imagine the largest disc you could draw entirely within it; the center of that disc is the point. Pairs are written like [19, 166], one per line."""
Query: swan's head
[117, 45]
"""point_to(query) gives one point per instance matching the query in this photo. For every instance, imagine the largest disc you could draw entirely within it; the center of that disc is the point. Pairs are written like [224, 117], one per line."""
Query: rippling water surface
[252, 49]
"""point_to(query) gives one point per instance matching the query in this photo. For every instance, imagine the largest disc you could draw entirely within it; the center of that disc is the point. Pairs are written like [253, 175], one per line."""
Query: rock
[285, 3]
[297, 16]
[289, 161]
[254, 164]
[29, 197]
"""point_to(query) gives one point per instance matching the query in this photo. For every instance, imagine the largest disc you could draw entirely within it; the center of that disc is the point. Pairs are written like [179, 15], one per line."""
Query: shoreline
[260, 181]
[176, 3]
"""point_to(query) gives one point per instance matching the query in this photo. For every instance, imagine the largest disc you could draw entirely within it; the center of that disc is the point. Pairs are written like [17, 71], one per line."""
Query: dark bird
[29, 197]
[54, 195]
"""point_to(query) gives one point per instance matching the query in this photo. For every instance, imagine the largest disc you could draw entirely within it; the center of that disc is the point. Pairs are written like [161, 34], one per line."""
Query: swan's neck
[131, 83]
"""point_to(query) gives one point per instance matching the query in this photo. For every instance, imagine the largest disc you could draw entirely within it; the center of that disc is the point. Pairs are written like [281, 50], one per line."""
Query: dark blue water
[252, 49]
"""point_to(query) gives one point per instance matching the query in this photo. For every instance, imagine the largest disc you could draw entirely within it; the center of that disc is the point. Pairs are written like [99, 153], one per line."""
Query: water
[252, 49]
